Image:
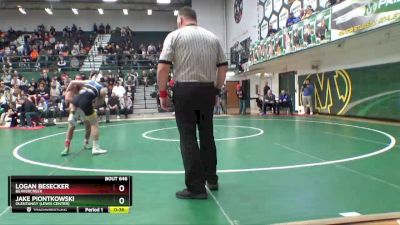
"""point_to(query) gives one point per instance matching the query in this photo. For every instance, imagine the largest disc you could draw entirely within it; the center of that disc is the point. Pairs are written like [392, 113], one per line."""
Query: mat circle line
[380, 151]
[260, 132]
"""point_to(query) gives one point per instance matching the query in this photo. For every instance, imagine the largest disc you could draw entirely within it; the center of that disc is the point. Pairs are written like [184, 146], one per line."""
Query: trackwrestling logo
[332, 91]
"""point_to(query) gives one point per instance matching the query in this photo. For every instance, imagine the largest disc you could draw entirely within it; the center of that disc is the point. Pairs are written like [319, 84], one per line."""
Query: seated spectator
[285, 102]
[24, 84]
[292, 20]
[29, 112]
[271, 31]
[42, 91]
[7, 79]
[119, 90]
[130, 83]
[112, 106]
[10, 116]
[34, 54]
[44, 78]
[307, 12]
[145, 78]
[43, 108]
[126, 105]
[15, 81]
[61, 63]
[269, 102]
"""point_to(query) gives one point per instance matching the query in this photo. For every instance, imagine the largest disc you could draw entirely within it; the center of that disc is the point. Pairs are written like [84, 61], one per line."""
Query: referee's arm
[222, 66]
[163, 68]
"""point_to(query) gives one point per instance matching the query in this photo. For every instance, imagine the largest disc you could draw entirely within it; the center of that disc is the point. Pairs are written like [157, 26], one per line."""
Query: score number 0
[121, 200]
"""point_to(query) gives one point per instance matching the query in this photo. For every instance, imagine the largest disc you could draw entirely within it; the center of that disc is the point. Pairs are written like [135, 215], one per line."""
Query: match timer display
[70, 194]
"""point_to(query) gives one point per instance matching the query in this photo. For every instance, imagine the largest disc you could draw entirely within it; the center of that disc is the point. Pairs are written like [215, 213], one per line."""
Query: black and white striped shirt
[195, 53]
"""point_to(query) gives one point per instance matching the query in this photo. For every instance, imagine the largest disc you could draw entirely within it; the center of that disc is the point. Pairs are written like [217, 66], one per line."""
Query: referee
[200, 69]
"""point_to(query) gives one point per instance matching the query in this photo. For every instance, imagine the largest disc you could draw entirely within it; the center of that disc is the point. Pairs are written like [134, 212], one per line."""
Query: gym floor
[271, 169]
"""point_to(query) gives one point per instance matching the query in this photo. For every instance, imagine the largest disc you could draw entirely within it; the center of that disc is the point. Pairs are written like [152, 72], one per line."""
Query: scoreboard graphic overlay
[70, 194]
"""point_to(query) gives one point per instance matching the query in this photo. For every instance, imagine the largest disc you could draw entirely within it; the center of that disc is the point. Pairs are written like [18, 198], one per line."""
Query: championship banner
[309, 27]
[355, 16]
[370, 92]
[323, 27]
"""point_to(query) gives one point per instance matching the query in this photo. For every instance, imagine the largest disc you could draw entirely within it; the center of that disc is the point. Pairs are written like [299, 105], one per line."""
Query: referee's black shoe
[186, 194]
[212, 187]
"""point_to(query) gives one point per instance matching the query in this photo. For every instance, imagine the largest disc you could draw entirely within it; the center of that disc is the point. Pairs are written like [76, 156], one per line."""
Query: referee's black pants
[194, 106]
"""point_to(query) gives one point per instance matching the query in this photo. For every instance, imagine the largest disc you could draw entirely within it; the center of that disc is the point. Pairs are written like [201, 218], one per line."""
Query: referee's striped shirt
[195, 53]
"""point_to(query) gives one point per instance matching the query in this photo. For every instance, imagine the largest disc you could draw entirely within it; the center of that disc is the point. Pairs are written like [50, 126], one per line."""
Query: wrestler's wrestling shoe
[67, 144]
[98, 151]
[65, 152]
[86, 145]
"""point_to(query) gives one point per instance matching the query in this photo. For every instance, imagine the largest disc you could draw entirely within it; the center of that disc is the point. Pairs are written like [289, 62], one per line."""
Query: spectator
[7, 79]
[322, 30]
[130, 83]
[95, 28]
[12, 115]
[29, 112]
[119, 90]
[307, 12]
[308, 93]
[108, 28]
[269, 102]
[217, 105]
[44, 78]
[15, 81]
[61, 63]
[42, 91]
[101, 28]
[112, 107]
[34, 54]
[271, 31]
[24, 84]
[126, 105]
[224, 97]
[266, 88]
[285, 101]
[43, 108]
[52, 31]
[55, 92]
[242, 99]
[292, 20]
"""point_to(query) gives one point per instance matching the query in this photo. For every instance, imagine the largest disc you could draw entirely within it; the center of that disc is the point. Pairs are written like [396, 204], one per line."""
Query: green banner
[310, 32]
[372, 92]
[356, 16]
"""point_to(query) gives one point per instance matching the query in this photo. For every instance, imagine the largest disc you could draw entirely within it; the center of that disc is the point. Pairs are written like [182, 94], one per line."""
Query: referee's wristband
[163, 94]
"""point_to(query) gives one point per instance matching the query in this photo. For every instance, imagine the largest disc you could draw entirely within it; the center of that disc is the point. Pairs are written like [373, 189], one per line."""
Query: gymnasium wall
[137, 20]
[246, 27]
[210, 15]
[371, 92]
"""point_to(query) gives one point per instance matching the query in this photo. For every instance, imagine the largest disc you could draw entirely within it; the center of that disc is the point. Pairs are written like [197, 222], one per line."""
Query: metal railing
[77, 63]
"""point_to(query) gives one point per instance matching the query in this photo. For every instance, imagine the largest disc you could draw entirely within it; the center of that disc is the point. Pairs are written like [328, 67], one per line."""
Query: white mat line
[343, 167]
[220, 207]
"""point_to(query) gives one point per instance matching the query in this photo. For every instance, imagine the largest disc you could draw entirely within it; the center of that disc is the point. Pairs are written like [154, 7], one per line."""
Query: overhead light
[101, 12]
[176, 12]
[163, 1]
[75, 11]
[110, 0]
[149, 12]
[125, 11]
[22, 10]
[49, 11]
